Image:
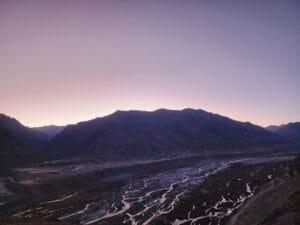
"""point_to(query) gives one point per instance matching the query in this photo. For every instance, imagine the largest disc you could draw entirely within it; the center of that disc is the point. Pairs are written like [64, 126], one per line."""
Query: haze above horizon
[63, 62]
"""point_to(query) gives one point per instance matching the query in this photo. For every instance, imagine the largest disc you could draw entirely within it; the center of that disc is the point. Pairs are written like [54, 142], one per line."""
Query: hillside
[290, 132]
[22, 133]
[18, 143]
[277, 203]
[138, 134]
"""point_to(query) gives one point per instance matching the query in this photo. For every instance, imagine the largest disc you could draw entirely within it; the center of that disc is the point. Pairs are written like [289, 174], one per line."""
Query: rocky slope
[277, 203]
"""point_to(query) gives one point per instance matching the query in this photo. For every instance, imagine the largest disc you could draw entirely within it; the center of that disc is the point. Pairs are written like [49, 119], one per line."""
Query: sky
[64, 61]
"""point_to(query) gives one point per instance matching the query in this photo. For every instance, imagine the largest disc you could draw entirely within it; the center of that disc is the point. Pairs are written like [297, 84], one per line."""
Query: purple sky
[66, 61]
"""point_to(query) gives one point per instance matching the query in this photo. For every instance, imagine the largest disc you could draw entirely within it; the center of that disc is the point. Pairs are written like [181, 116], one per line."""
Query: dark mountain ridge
[138, 133]
[290, 131]
[24, 134]
[274, 128]
[18, 143]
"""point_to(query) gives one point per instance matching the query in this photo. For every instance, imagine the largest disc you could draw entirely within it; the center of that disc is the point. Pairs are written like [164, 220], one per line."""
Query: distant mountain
[290, 132]
[18, 143]
[50, 130]
[274, 128]
[128, 134]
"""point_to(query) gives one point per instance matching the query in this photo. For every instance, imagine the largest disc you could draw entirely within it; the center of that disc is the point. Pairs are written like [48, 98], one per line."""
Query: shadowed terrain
[142, 168]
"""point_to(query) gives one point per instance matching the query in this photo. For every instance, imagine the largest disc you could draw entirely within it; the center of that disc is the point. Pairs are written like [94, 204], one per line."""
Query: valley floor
[214, 190]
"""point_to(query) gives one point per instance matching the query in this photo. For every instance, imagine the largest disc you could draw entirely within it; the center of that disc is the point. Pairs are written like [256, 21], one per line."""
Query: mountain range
[138, 134]
[162, 132]
[290, 131]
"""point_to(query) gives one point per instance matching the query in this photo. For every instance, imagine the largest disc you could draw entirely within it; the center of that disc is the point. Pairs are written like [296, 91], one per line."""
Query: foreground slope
[138, 134]
[277, 203]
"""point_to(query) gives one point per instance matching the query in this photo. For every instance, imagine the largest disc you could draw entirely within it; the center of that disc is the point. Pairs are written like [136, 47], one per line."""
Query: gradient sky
[66, 61]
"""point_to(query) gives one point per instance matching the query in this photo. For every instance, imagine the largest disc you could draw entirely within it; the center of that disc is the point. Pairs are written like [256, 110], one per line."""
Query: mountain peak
[136, 133]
